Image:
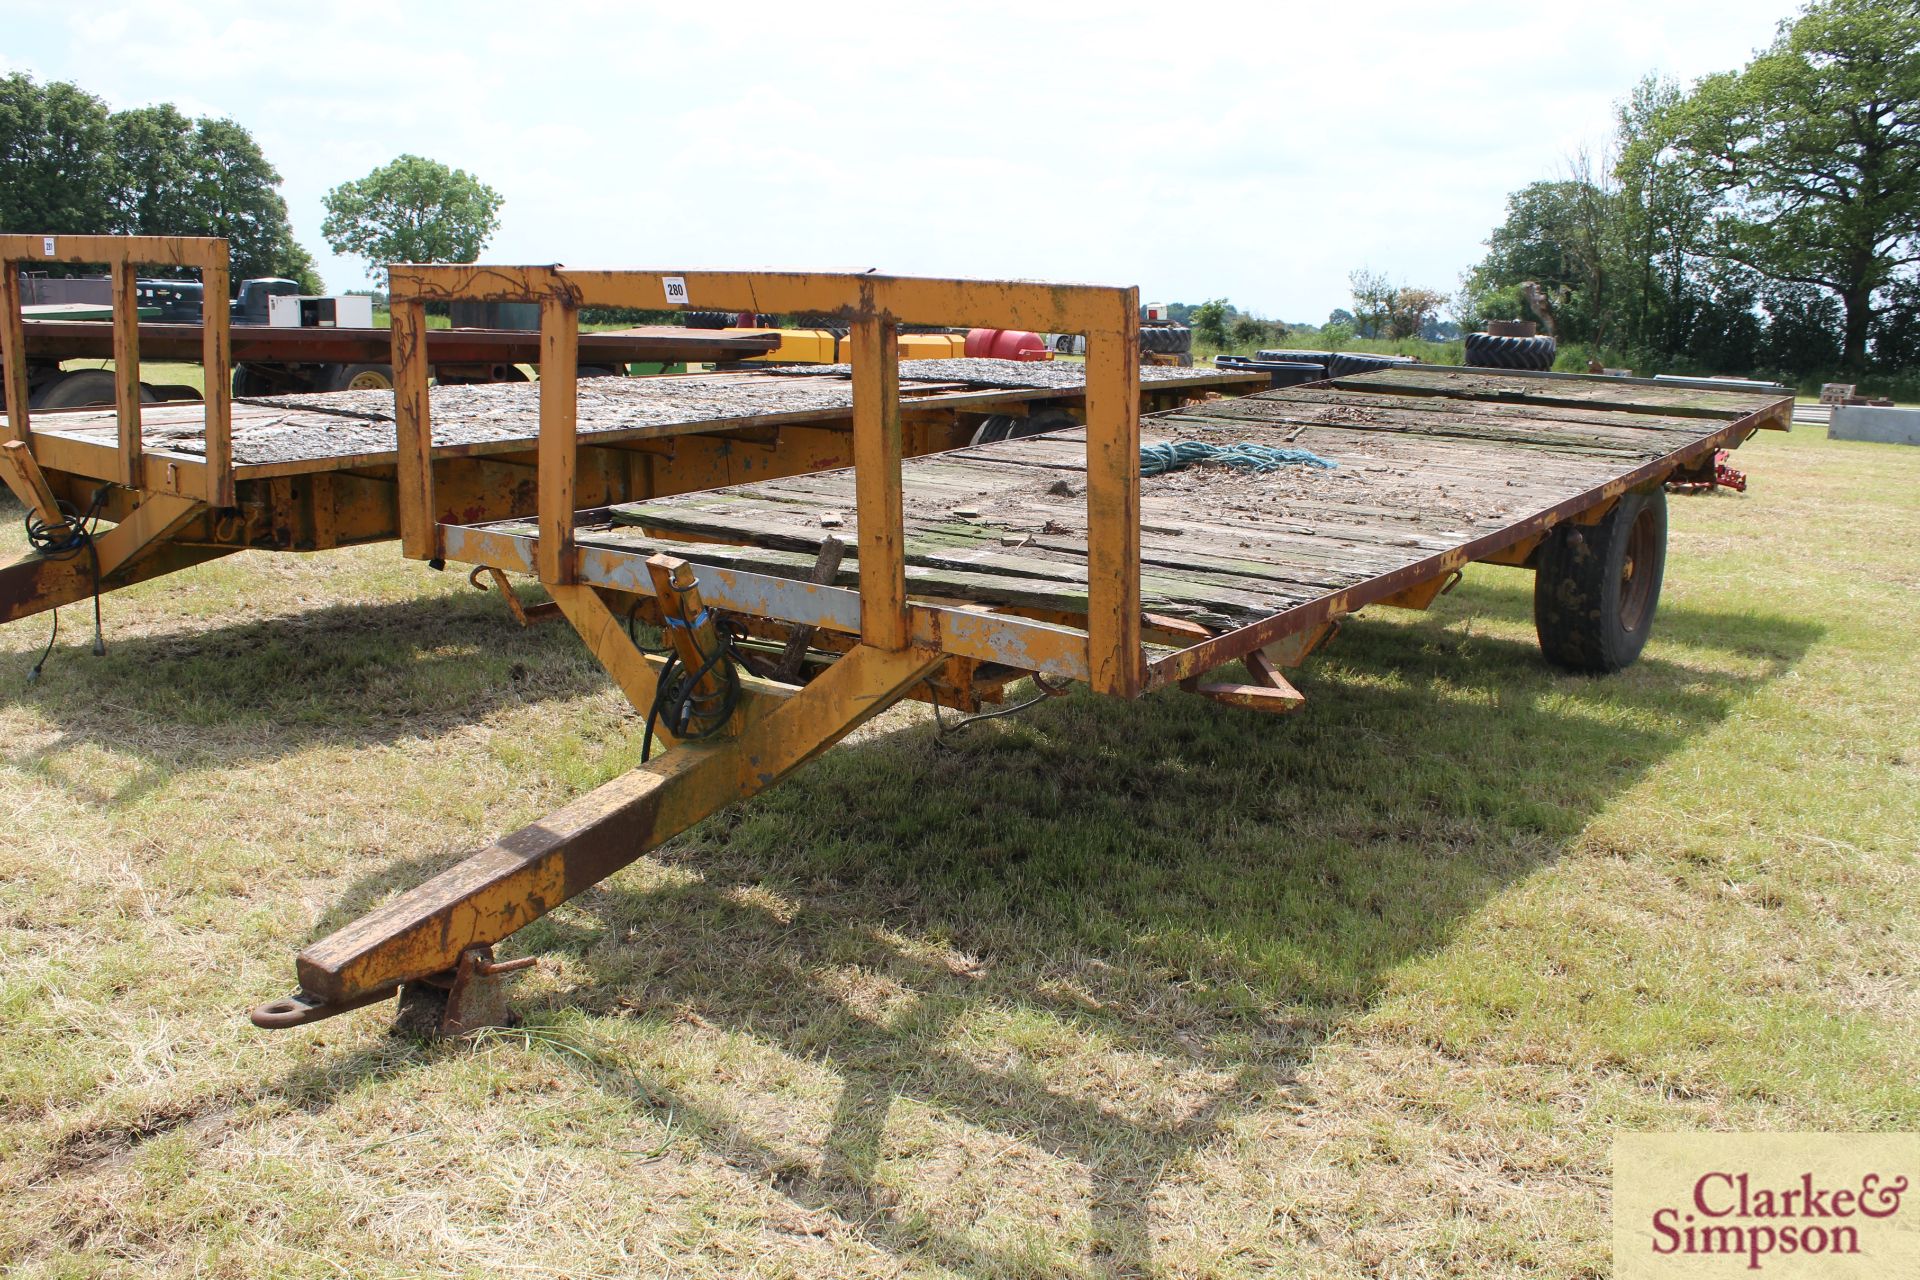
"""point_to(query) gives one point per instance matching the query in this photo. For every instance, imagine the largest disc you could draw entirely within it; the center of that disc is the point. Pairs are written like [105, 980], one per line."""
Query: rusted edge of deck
[1229, 646]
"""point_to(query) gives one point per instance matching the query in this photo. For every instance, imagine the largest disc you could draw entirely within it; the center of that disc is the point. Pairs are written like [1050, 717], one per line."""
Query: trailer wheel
[1597, 586]
[249, 381]
[363, 377]
[81, 389]
[1004, 426]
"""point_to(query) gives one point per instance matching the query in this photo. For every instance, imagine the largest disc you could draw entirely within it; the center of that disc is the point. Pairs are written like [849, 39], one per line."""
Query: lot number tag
[676, 290]
[46, 245]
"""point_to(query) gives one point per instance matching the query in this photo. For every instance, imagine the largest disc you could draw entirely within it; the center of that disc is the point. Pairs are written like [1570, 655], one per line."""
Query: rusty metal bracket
[29, 484]
[1270, 691]
[300, 1008]
[825, 568]
[525, 615]
[462, 999]
[1423, 594]
[465, 999]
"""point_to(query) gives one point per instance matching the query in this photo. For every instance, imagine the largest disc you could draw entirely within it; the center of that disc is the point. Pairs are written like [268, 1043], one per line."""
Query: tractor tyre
[1345, 365]
[1322, 358]
[1491, 351]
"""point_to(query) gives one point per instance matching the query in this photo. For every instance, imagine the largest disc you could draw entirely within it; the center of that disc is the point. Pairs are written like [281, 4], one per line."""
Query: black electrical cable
[678, 707]
[944, 733]
[64, 539]
[633, 631]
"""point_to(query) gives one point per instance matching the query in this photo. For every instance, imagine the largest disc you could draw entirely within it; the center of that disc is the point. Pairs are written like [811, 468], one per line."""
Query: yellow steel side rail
[876, 482]
[873, 306]
[559, 453]
[122, 254]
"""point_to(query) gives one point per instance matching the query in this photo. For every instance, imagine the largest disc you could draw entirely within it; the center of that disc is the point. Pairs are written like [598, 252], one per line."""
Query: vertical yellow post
[126, 372]
[559, 375]
[217, 365]
[13, 350]
[1113, 503]
[413, 428]
[876, 482]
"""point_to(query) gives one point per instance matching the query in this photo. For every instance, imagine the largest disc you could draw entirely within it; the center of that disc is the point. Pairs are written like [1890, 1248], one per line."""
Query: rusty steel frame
[303, 505]
[123, 255]
[428, 938]
[421, 937]
[873, 306]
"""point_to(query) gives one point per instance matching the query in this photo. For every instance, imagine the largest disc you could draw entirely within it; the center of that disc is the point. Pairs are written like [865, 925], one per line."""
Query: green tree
[412, 210]
[1250, 331]
[1813, 154]
[1209, 321]
[1660, 228]
[180, 176]
[56, 161]
[1383, 309]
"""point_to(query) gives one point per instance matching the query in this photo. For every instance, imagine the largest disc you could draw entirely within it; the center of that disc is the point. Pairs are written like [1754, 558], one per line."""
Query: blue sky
[1256, 152]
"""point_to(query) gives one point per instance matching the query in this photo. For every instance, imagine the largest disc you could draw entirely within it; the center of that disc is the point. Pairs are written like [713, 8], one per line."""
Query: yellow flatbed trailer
[946, 576]
[183, 483]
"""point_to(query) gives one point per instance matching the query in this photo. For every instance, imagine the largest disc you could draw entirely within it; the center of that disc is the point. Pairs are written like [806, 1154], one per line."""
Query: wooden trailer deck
[310, 472]
[338, 431]
[1431, 466]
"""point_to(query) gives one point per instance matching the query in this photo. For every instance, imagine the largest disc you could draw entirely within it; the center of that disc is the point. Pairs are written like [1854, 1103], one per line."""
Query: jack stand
[524, 614]
[452, 1004]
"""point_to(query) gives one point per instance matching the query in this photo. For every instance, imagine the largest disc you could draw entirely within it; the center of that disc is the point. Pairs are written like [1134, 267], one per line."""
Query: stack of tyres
[1497, 351]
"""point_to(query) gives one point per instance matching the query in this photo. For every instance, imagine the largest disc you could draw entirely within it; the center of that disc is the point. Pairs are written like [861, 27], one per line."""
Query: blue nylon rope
[1158, 459]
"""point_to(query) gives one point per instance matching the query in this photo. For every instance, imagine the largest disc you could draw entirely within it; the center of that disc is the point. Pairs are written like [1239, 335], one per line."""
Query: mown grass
[1154, 989]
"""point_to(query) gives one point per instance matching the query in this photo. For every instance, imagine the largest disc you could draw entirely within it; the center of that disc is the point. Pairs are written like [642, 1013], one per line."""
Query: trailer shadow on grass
[1102, 931]
[341, 675]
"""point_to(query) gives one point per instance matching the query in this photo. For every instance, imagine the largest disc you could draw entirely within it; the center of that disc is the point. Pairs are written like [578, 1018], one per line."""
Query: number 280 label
[676, 288]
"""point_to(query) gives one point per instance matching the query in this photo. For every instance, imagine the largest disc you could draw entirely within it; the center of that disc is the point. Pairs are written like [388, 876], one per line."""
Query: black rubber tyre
[1345, 365]
[709, 319]
[1491, 351]
[1295, 357]
[1595, 587]
[80, 389]
[1153, 339]
[1179, 339]
[249, 381]
[362, 377]
[1004, 426]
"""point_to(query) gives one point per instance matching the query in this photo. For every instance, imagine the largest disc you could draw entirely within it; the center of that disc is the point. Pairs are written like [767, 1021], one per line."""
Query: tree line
[71, 166]
[1765, 220]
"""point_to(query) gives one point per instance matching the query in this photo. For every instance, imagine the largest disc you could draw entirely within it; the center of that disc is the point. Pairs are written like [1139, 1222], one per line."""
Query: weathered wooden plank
[1600, 392]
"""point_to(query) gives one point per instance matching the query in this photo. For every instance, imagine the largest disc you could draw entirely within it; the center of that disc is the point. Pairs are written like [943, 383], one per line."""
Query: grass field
[1164, 989]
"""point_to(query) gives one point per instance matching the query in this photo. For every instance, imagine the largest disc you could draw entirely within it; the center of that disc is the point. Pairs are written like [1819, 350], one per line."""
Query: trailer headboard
[873, 306]
[123, 255]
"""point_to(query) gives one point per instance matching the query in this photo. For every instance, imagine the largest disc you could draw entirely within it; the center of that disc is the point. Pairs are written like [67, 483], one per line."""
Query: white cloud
[1258, 152]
